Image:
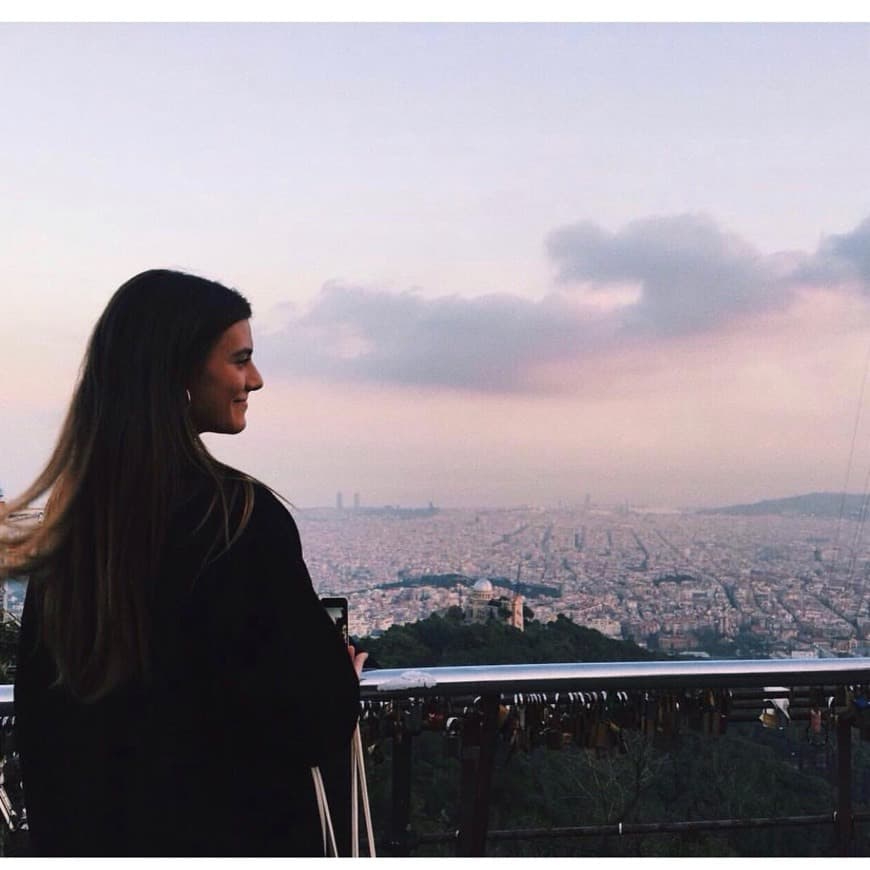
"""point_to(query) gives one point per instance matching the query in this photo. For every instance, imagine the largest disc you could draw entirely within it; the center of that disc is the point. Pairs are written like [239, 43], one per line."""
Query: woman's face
[219, 392]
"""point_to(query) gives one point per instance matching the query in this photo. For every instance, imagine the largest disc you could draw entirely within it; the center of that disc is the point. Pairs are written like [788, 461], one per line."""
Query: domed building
[479, 609]
[484, 587]
[483, 605]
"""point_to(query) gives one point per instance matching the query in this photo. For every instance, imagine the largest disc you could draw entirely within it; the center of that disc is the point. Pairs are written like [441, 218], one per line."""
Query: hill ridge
[819, 504]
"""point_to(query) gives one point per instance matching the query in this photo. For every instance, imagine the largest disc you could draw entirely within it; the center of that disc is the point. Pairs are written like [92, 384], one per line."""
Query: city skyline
[792, 583]
[490, 264]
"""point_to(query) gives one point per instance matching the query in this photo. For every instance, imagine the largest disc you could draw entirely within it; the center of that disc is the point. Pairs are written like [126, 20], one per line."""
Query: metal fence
[473, 705]
[473, 701]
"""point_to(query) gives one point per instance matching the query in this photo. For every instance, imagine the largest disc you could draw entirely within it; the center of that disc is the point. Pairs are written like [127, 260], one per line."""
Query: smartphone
[337, 609]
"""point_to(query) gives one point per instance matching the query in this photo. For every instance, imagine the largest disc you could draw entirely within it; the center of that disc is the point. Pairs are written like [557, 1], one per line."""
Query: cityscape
[701, 583]
[780, 585]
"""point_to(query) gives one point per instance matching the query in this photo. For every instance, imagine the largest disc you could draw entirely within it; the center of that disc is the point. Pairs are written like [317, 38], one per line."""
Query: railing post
[400, 817]
[844, 827]
[478, 754]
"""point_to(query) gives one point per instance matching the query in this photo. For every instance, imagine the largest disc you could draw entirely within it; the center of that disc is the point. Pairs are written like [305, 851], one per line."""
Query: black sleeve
[276, 655]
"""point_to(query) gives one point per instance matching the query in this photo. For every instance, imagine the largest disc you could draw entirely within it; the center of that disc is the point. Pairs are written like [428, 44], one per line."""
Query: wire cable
[858, 410]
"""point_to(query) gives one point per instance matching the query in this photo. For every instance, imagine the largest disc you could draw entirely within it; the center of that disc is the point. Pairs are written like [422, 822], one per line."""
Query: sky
[490, 264]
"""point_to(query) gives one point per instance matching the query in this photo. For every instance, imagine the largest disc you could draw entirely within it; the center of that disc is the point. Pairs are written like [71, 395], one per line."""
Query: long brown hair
[125, 447]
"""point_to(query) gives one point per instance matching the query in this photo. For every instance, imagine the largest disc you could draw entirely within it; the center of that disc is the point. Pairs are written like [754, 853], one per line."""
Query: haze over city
[490, 264]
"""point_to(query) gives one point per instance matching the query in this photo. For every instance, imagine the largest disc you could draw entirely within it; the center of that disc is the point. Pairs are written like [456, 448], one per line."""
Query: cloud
[687, 276]
[691, 275]
[489, 343]
[841, 260]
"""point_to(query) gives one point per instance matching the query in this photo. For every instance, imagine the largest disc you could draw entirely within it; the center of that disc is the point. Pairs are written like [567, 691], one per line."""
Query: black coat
[251, 686]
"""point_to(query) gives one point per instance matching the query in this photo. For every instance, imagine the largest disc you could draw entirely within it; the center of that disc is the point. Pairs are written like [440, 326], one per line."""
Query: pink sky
[548, 261]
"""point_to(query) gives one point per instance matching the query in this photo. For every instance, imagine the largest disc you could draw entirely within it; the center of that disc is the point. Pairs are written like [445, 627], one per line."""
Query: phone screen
[337, 610]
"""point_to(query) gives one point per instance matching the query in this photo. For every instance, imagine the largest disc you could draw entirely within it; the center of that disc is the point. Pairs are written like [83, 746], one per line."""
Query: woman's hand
[358, 659]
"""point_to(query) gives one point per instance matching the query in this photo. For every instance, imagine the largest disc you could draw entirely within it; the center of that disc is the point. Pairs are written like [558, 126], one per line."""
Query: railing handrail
[566, 676]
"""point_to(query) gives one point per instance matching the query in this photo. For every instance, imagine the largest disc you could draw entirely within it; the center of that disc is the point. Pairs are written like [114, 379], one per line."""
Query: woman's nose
[255, 379]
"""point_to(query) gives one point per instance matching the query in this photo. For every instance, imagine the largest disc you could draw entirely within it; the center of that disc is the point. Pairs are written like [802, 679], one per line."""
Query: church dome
[483, 585]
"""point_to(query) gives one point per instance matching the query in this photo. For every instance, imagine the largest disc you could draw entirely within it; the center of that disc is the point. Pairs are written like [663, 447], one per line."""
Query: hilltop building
[516, 619]
[483, 606]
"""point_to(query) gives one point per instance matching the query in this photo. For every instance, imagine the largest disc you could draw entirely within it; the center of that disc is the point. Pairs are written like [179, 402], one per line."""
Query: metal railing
[483, 693]
[512, 679]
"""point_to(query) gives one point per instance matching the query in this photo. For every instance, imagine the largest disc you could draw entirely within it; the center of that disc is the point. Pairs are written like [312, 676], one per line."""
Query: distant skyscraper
[356, 501]
[338, 502]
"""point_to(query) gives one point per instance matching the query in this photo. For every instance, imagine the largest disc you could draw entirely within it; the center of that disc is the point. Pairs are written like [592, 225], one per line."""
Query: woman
[177, 675]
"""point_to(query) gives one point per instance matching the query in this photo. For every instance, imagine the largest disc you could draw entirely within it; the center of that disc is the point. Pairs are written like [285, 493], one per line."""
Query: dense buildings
[676, 581]
[785, 585]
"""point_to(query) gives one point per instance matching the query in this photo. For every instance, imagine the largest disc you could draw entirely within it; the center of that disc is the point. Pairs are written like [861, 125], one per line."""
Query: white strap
[358, 786]
[364, 790]
[323, 810]
[354, 798]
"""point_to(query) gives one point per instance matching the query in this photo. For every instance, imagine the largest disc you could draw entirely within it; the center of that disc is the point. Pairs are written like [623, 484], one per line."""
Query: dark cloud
[841, 259]
[485, 343]
[689, 275]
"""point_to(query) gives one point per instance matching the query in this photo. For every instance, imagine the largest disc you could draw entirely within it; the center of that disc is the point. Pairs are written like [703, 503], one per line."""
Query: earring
[187, 393]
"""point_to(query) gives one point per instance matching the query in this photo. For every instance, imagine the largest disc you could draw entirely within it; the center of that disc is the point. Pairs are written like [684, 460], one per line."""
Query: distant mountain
[816, 504]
